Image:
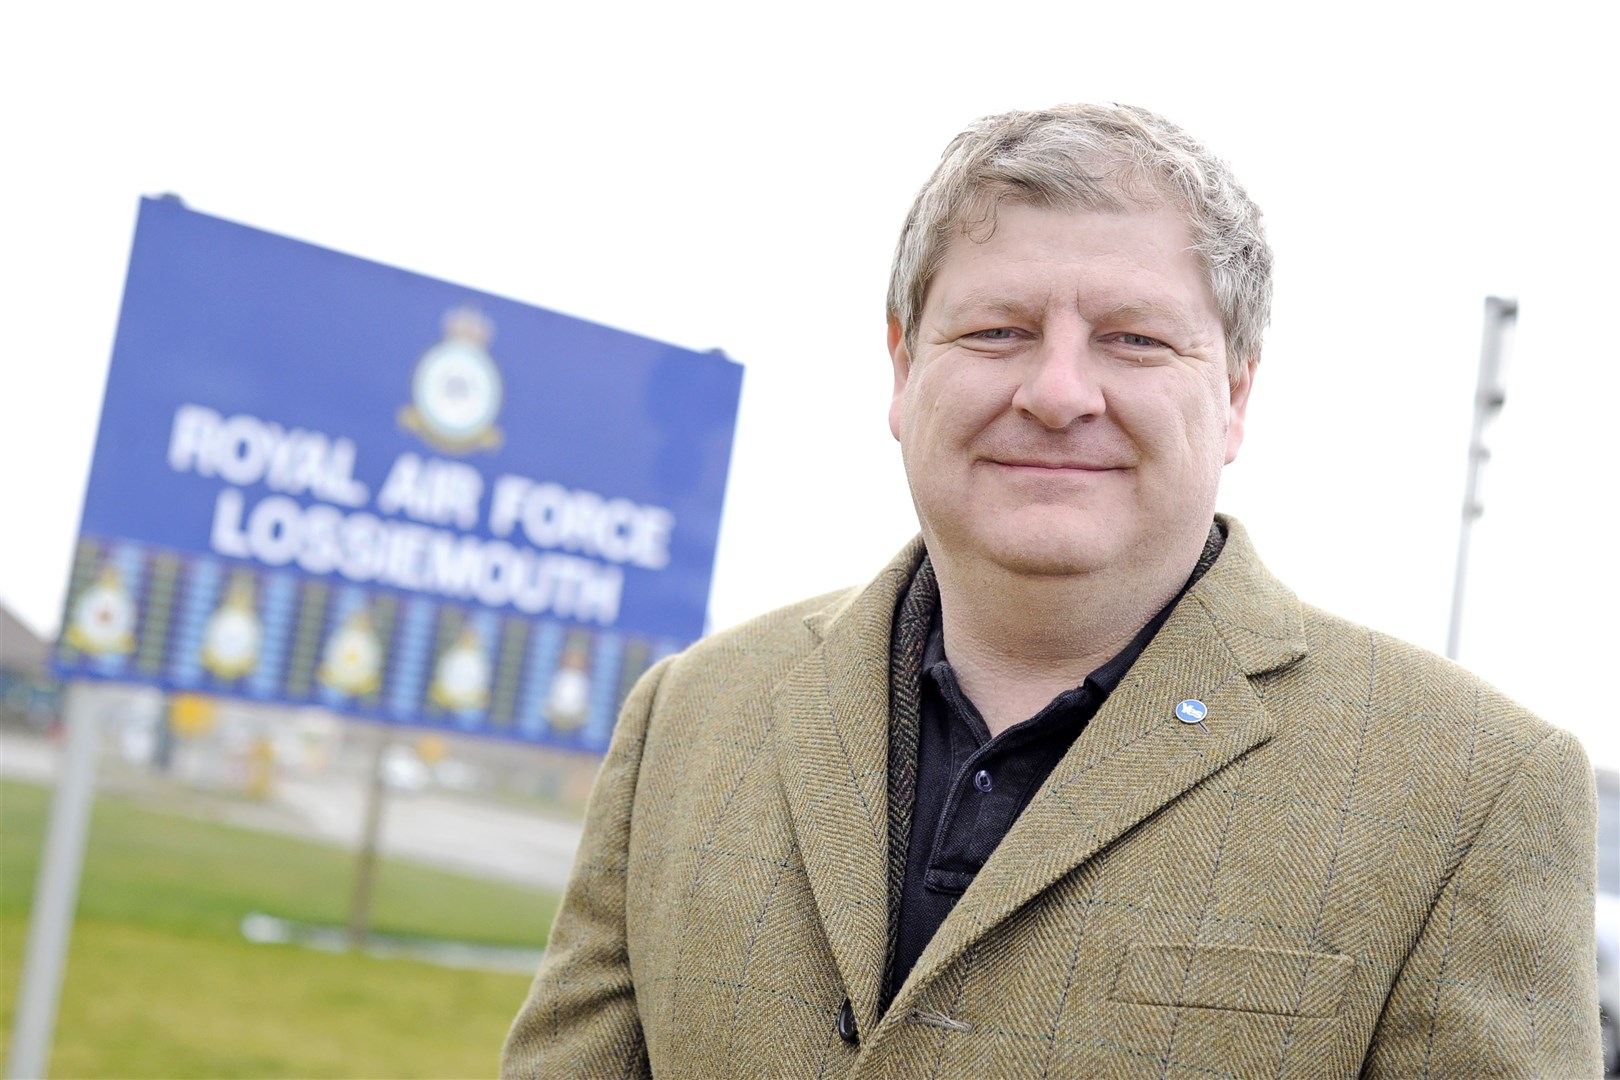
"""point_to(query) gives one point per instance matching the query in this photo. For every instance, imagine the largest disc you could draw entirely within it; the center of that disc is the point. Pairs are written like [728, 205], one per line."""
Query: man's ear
[900, 357]
[1239, 408]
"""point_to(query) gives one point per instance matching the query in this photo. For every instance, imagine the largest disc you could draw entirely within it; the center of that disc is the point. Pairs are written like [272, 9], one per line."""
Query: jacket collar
[833, 747]
[1135, 756]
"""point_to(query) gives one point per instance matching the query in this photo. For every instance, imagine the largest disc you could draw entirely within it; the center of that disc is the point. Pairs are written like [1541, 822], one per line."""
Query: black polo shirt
[971, 787]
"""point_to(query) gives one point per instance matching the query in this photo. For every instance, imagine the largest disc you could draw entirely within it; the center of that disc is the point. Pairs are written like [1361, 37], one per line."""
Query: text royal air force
[565, 555]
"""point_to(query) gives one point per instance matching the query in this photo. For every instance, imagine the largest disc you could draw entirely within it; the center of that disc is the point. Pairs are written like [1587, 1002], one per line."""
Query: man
[1074, 787]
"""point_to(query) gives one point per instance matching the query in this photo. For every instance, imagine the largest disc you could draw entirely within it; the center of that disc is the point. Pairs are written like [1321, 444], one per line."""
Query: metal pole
[1489, 394]
[365, 860]
[56, 891]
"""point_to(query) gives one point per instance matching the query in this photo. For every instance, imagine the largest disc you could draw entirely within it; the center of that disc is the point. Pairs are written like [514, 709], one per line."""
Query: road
[431, 828]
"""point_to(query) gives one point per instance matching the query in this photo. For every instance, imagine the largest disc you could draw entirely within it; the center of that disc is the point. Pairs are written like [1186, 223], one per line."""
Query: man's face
[1068, 409]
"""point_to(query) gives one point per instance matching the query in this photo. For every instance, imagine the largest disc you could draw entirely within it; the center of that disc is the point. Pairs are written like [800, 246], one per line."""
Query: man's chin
[1067, 556]
[1037, 542]
[1054, 564]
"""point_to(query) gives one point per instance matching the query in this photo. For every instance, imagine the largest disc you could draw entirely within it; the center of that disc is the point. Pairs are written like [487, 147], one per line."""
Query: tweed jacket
[1364, 861]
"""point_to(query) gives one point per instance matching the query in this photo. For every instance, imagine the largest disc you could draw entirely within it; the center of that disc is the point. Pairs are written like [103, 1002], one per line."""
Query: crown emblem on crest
[468, 324]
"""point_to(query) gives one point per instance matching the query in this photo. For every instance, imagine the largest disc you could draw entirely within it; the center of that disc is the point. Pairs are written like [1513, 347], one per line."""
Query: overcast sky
[734, 177]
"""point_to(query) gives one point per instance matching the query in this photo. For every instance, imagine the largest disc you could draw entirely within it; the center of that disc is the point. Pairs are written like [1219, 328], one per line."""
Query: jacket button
[846, 1024]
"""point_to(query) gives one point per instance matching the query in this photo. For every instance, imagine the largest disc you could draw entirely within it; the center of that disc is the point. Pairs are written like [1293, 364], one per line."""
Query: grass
[160, 982]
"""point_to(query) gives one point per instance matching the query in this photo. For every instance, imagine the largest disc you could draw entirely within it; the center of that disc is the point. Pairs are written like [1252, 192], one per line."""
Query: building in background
[29, 695]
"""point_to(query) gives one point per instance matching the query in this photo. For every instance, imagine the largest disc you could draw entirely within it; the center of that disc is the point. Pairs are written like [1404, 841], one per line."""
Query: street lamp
[1500, 316]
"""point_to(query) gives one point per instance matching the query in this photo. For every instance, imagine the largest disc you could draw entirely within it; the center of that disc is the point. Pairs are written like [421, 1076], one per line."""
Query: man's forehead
[983, 230]
[1116, 188]
[1130, 261]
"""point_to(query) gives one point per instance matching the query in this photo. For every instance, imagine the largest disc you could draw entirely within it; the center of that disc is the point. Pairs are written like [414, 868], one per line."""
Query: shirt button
[846, 1024]
[982, 781]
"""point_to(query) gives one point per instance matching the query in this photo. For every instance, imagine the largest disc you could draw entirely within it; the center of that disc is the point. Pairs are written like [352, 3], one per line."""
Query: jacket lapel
[1136, 756]
[833, 748]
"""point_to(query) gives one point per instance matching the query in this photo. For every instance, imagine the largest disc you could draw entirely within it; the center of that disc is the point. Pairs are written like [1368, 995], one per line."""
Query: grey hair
[1090, 157]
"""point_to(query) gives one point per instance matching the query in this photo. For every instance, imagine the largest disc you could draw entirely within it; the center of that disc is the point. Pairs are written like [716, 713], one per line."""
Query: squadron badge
[456, 388]
[570, 696]
[461, 677]
[232, 635]
[103, 622]
[351, 663]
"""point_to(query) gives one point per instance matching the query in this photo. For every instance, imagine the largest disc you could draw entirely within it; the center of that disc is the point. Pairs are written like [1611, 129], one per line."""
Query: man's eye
[999, 333]
[1140, 341]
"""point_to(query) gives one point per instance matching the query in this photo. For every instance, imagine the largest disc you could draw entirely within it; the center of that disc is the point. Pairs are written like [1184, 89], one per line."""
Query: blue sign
[319, 480]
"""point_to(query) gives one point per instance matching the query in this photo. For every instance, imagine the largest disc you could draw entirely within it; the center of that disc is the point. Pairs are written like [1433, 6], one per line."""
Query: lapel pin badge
[1191, 711]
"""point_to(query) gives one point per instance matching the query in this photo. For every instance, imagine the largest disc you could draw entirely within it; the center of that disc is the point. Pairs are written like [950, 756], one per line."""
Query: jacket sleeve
[580, 1018]
[1503, 978]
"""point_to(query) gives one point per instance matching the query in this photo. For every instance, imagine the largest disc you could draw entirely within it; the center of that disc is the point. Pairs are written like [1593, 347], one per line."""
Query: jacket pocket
[1278, 981]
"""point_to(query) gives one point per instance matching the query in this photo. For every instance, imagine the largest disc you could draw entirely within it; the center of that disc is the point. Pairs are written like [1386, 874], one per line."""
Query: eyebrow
[980, 304]
[1150, 311]
[988, 304]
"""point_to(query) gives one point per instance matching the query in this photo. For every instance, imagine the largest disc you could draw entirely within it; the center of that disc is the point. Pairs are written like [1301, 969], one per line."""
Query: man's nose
[1061, 384]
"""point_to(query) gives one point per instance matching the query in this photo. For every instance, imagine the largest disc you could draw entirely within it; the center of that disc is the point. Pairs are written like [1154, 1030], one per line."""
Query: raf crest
[456, 388]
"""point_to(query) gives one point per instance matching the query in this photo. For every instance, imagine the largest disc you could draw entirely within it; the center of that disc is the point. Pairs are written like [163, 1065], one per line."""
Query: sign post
[56, 891]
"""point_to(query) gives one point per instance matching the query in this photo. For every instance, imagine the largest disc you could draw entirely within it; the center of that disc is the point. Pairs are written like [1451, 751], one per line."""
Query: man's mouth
[1053, 464]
